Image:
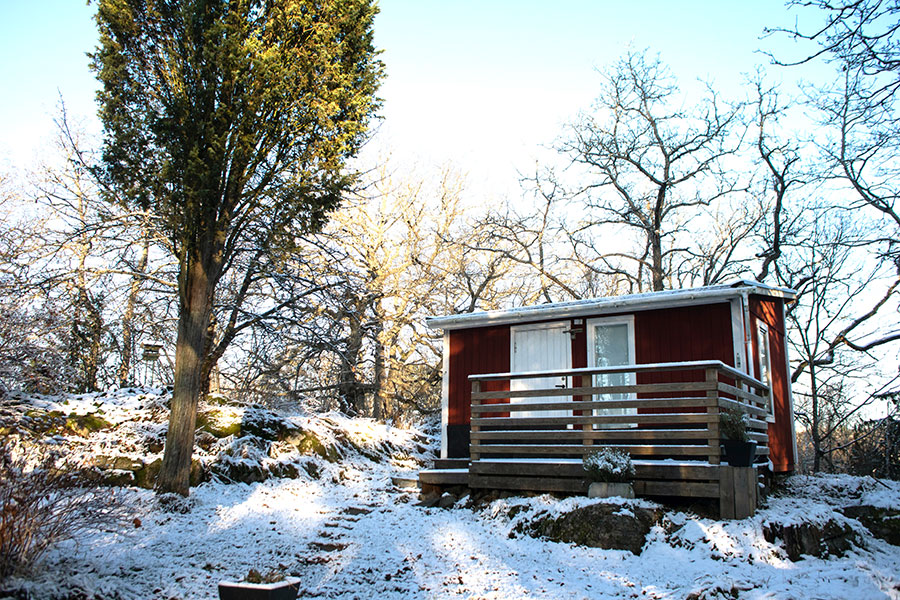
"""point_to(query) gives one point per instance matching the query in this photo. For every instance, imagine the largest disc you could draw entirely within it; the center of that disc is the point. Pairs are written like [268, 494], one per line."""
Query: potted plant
[255, 586]
[610, 472]
[737, 449]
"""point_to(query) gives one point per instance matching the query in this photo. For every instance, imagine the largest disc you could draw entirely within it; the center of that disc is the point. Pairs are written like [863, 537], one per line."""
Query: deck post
[712, 411]
[587, 427]
[474, 429]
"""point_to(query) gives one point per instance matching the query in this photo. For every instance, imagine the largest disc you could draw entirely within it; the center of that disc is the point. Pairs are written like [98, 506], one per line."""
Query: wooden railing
[655, 411]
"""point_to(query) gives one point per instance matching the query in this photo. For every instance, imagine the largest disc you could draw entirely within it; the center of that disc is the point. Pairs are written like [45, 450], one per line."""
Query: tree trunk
[193, 327]
[814, 433]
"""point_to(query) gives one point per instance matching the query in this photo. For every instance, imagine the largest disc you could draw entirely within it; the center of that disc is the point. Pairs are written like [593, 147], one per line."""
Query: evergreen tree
[229, 119]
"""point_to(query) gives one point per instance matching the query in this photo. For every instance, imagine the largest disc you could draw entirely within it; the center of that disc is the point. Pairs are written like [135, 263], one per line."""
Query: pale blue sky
[479, 83]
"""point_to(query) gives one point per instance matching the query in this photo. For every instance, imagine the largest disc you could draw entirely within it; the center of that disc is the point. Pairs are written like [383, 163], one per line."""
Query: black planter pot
[738, 454]
[241, 590]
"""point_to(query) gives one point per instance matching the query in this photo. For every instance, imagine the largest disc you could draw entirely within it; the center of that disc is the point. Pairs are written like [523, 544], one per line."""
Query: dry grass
[45, 499]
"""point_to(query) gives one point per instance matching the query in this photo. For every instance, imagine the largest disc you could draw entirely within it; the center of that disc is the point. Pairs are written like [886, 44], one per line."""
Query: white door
[541, 347]
[611, 344]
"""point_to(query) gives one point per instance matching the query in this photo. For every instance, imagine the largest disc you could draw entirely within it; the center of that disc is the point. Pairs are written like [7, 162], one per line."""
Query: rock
[146, 476]
[117, 478]
[812, 539]
[240, 471]
[883, 523]
[306, 442]
[312, 469]
[219, 422]
[607, 526]
[285, 470]
[429, 500]
[447, 501]
[405, 482]
[85, 425]
[263, 424]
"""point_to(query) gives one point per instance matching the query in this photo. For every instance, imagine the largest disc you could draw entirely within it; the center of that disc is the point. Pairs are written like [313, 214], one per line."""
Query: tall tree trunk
[193, 327]
[380, 409]
[814, 434]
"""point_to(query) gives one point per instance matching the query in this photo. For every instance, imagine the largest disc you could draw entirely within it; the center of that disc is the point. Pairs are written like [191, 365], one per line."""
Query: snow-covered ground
[352, 534]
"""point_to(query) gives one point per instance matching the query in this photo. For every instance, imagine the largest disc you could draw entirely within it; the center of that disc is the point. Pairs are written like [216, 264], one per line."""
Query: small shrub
[733, 425]
[273, 576]
[45, 500]
[609, 465]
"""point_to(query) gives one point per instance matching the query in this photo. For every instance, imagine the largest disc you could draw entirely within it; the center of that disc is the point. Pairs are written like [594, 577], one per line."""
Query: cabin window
[611, 344]
[765, 362]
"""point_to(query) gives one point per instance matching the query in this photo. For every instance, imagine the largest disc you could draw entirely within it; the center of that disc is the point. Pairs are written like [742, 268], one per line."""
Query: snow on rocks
[350, 533]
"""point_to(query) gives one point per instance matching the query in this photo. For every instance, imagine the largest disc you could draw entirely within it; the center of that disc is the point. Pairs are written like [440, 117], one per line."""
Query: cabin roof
[610, 304]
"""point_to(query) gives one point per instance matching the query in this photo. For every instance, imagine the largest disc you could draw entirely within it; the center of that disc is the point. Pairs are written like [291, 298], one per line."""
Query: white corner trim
[737, 336]
[445, 392]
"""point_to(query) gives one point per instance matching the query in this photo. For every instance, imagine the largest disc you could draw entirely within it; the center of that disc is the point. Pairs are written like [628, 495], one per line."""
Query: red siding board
[682, 334]
[781, 440]
[474, 351]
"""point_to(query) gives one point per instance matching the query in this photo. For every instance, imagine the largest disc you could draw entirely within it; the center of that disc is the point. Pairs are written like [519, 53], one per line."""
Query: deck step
[451, 463]
[444, 476]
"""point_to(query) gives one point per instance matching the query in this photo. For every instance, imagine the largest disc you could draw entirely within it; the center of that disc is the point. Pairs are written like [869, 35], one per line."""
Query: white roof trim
[610, 304]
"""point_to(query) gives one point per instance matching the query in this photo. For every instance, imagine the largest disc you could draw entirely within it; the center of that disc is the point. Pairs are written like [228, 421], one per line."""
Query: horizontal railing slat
[556, 450]
[641, 388]
[698, 365]
[673, 418]
[594, 435]
[590, 405]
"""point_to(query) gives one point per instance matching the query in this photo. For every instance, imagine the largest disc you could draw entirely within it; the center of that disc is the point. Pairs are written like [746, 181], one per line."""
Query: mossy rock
[85, 425]
[217, 399]
[219, 422]
[607, 526]
[306, 442]
[119, 463]
[41, 421]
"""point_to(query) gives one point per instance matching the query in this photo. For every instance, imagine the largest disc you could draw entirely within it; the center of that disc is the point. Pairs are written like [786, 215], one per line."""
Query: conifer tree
[229, 118]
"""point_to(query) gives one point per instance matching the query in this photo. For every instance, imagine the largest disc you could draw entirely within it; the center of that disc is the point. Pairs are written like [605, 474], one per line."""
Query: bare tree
[650, 167]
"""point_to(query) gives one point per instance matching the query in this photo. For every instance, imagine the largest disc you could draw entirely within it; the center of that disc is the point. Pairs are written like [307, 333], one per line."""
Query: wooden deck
[666, 416]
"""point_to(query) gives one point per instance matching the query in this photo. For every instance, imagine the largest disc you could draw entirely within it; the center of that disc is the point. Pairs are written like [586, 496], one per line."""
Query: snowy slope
[352, 534]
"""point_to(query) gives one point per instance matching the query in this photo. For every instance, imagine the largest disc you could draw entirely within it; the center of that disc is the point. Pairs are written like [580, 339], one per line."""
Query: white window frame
[628, 321]
[762, 333]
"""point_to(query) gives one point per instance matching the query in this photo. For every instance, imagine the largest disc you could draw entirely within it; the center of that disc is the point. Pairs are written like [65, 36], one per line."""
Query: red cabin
[647, 372]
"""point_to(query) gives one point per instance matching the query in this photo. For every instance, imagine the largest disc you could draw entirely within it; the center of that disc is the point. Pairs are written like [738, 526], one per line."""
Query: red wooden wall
[679, 335]
[478, 350]
[781, 432]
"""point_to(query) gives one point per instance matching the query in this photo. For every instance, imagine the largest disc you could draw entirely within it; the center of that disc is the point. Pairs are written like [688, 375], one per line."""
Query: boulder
[306, 442]
[85, 425]
[812, 539]
[263, 424]
[883, 523]
[219, 422]
[607, 526]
